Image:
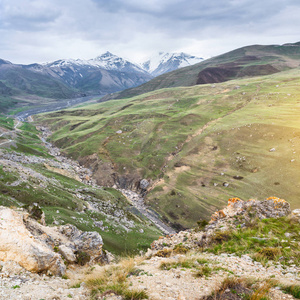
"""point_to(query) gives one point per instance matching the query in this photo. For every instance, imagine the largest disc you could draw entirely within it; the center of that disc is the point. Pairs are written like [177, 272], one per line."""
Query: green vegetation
[293, 290]
[64, 199]
[266, 240]
[200, 145]
[242, 288]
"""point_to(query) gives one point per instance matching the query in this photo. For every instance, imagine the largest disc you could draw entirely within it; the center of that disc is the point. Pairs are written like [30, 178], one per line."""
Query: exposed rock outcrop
[237, 214]
[39, 248]
[246, 211]
[19, 245]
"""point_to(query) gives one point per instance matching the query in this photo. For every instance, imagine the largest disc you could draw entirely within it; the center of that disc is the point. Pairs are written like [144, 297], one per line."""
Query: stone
[19, 245]
[296, 215]
[67, 253]
[144, 183]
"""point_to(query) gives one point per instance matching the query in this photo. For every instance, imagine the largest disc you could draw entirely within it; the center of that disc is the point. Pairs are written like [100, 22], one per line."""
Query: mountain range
[249, 61]
[69, 78]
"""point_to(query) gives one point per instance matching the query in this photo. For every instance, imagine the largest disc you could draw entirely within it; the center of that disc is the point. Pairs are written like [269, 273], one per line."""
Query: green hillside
[247, 61]
[198, 145]
[28, 174]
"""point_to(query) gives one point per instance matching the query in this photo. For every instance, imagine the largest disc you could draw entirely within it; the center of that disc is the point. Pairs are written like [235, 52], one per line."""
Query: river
[63, 104]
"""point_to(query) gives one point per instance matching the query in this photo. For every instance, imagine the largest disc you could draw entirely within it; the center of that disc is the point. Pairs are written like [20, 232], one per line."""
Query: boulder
[89, 242]
[19, 245]
[296, 215]
[67, 253]
[144, 183]
[272, 207]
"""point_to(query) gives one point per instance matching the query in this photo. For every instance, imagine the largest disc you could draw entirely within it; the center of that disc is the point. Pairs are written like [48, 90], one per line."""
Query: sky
[47, 30]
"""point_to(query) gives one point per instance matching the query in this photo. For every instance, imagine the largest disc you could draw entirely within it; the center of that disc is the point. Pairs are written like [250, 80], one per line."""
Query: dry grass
[113, 279]
[233, 288]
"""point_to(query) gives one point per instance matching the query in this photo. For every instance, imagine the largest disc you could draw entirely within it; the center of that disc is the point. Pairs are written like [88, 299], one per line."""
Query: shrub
[164, 253]
[221, 236]
[180, 249]
[269, 253]
[82, 257]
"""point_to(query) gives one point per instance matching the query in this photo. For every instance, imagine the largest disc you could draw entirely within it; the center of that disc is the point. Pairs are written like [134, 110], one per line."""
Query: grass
[250, 289]
[293, 290]
[199, 266]
[64, 199]
[114, 280]
[241, 288]
[265, 241]
[191, 140]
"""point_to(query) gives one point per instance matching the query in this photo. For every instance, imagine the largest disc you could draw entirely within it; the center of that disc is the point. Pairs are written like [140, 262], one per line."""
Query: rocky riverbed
[85, 176]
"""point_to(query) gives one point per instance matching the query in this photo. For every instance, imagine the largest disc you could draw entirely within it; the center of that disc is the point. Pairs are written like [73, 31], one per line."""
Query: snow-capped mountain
[104, 74]
[107, 61]
[167, 62]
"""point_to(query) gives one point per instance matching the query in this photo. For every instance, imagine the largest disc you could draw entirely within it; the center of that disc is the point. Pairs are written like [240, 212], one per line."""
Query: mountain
[38, 84]
[247, 61]
[20, 86]
[104, 74]
[69, 78]
[167, 62]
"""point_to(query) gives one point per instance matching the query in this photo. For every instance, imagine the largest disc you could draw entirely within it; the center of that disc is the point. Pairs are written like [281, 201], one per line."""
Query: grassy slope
[264, 59]
[59, 193]
[192, 140]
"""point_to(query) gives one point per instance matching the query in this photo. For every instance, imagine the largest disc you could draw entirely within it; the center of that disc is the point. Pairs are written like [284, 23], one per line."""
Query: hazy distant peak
[164, 62]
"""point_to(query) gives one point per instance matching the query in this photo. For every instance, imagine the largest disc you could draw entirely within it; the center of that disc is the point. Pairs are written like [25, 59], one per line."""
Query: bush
[221, 236]
[164, 253]
[82, 257]
[180, 249]
[269, 253]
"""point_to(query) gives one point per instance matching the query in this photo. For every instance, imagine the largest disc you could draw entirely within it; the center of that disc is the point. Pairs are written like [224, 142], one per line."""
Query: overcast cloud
[47, 30]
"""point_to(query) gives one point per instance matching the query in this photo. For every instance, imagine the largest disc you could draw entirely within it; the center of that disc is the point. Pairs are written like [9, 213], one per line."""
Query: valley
[90, 180]
[35, 172]
[197, 146]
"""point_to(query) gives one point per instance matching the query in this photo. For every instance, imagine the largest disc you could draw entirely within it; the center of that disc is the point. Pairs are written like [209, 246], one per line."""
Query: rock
[12, 268]
[90, 242]
[296, 215]
[144, 183]
[19, 245]
[272, 207]
[67, 253]
[36, 213]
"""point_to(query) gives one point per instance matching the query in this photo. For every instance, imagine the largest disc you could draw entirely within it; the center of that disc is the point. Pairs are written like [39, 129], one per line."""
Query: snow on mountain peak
[165, 62]
[158, 64]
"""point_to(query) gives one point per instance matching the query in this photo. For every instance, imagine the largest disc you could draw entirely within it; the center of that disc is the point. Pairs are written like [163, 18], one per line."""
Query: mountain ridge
[248, 61]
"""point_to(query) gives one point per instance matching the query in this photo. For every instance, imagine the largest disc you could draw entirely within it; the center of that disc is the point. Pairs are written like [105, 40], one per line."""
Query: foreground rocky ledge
[165, 272]
[39, 248]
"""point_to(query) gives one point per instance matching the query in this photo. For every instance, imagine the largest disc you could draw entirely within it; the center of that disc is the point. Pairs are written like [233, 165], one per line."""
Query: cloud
[52, 29]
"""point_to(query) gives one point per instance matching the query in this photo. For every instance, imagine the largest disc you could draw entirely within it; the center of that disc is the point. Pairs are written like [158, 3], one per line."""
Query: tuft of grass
[203, 271]
[164, 253]
[270, 253]
[182, 262]
[221, 236]
[241, 288]
[114, 279]
[293, 290]
[180, 249]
